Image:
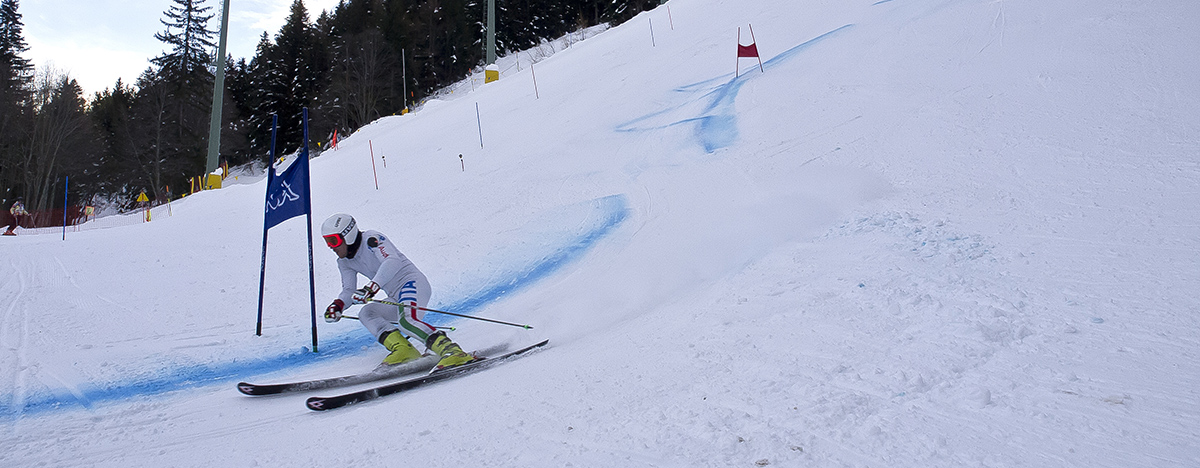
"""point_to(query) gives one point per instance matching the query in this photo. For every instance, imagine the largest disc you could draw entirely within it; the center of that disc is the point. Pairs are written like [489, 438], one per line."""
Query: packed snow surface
[924, 233]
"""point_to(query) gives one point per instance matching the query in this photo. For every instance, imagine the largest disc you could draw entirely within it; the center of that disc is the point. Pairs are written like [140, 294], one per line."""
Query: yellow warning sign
[142, 197]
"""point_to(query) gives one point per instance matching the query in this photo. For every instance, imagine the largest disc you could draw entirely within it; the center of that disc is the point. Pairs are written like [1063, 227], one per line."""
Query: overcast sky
[98, 41]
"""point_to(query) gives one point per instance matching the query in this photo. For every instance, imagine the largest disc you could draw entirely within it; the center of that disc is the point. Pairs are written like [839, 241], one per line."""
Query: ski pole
[351, 317]
[450, 313]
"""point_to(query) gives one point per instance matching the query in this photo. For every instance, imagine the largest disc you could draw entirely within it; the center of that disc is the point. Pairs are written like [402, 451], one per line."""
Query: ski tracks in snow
[34, 290]
[14, 333]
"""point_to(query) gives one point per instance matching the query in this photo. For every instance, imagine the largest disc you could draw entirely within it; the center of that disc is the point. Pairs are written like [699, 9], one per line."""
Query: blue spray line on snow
[610, 212]
[716, 121]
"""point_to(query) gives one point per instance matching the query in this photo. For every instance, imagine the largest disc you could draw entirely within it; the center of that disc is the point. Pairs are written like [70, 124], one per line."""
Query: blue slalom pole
[262, 275]
[312, 282]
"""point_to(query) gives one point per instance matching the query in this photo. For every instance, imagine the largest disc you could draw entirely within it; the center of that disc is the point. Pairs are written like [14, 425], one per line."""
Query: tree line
[348, 66]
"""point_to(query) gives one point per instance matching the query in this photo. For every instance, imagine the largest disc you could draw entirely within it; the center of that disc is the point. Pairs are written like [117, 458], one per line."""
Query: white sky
[98, 41]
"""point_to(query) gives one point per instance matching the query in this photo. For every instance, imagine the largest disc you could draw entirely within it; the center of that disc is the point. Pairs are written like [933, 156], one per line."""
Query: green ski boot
[402, 350]
[452, 355]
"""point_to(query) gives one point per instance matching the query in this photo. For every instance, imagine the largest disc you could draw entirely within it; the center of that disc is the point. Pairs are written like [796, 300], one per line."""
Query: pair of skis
[380, 373]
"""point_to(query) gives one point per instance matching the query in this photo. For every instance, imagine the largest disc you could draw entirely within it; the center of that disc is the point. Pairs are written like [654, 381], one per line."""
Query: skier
[17, 210]
[371, 254]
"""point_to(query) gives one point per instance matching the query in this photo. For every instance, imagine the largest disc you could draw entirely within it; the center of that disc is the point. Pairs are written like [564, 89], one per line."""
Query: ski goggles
[334, 240]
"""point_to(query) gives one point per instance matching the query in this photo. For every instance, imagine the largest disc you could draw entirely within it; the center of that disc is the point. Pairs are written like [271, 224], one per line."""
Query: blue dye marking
[716, 122]
[611, 211]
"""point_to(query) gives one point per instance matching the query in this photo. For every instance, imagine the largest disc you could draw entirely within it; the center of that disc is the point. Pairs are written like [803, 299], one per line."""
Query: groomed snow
[927, 233]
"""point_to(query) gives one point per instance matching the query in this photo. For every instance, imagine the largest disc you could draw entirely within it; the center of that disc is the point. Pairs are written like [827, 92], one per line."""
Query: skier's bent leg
[378, 318]
[415, 293]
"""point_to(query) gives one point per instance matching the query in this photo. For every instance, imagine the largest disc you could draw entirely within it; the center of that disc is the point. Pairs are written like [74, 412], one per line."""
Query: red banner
[747, 50]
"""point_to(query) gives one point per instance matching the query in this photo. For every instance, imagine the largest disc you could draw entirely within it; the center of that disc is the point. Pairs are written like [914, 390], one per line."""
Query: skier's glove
[364, 294]
[334, 312]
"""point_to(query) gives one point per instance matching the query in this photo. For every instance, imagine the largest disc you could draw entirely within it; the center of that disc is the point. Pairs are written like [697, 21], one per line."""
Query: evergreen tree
[16, 111]
[249, 88]
[515, 28]
[154, 147]
[16, 73]
[446, 39]
[191, 42]
[114, 166]
[235, 148]
[175, 98]
[396, 22]
[355, 16]
[293, 76]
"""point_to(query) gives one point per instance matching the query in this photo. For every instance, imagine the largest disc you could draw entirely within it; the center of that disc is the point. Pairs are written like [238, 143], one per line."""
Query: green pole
[491, 32]
[214, 122]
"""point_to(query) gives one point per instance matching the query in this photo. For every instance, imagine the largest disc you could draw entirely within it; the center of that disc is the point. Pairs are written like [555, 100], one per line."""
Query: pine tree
[250, 89]
[294, 76]
[175, 97]
[114, 167]
[191, 42]
[620, 11]
[16, 73]
[235, 147]
[16, 110]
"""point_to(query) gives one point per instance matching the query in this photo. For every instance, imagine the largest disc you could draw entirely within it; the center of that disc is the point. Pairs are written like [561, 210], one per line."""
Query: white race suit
[374, 256]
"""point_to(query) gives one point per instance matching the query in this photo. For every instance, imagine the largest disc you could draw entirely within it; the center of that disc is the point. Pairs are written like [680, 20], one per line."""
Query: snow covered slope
[926, 233]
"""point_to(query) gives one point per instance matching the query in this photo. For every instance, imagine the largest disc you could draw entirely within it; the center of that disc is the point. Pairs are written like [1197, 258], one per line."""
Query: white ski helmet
[339, 229]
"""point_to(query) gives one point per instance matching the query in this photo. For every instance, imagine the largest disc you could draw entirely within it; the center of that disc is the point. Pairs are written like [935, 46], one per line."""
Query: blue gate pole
[262, 274]
[312, 282]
